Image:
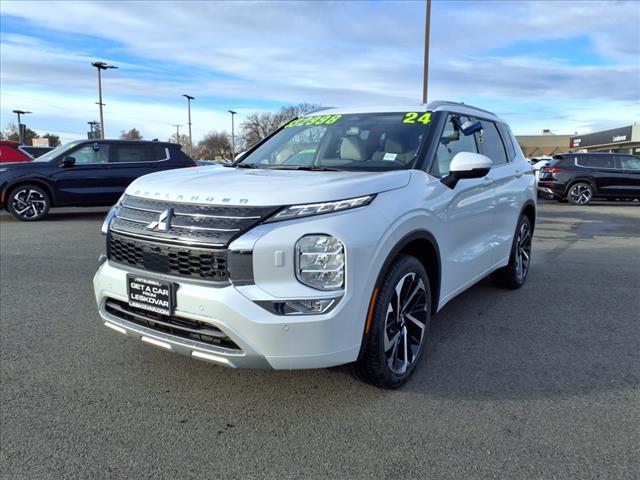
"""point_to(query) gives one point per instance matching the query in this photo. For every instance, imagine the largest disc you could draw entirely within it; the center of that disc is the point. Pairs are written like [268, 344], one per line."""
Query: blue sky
[568, 66]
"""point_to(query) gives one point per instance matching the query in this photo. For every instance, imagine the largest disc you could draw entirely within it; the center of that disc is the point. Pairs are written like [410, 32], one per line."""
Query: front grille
[198, 263]
[205, 225]
[178, 326]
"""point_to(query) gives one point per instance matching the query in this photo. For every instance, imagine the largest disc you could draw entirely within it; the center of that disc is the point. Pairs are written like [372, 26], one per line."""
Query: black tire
[380, 363]
[580, 193]
[28, 203]
[514, 274]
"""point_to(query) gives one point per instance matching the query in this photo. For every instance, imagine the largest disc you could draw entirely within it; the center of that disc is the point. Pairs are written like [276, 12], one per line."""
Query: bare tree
[183, 141]
[214, 146]
[133, 134]
[258, 125]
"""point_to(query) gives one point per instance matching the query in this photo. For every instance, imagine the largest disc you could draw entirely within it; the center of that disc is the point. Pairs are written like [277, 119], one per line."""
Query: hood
[262, 187]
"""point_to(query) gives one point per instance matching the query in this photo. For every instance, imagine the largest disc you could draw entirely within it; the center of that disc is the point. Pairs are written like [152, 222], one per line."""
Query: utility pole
[427, 31]
[189, 98]
[101, 66]
[233, 137]
[21, 130]
[177, 133]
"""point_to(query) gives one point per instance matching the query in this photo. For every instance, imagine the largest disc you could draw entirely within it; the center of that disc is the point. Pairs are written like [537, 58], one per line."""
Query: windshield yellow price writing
[412, 117]
[314, 120]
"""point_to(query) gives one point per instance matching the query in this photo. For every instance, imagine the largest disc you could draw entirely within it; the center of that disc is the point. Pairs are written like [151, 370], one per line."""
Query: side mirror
[467, 165]
[68, 162]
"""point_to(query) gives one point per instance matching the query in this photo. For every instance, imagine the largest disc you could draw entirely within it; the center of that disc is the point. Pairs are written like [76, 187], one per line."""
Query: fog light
[314, 306]
[320, 262]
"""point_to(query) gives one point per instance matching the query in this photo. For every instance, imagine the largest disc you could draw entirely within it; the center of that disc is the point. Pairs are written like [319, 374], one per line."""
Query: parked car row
[82, 173]
[580, 177]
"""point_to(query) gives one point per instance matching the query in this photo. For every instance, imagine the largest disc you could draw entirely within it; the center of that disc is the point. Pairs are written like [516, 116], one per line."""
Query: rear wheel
[515, 273]
[399, 324]
[580, 193]
[28, 203]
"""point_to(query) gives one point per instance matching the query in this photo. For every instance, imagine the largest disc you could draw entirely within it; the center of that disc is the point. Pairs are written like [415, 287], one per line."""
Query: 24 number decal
[413, 117]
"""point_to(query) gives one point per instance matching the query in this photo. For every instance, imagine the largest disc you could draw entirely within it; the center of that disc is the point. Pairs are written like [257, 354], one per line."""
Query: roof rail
[442, 103]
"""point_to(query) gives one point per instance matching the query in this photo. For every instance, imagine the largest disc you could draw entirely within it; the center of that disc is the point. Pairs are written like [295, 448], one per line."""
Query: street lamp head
[232, 112]
[188, 97]
[102, 65]
[21, 112]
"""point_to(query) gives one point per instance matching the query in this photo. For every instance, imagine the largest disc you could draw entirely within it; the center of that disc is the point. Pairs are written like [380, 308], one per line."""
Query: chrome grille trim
[190, 224]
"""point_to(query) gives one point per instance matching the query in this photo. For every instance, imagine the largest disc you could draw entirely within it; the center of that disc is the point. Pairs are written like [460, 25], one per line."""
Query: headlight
[320, 262]
[297, 211]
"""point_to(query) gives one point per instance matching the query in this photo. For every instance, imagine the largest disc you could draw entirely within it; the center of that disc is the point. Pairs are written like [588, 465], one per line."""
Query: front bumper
[265, 340]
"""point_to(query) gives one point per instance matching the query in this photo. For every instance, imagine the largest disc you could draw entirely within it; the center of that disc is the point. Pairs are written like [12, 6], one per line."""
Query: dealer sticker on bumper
[150, 294]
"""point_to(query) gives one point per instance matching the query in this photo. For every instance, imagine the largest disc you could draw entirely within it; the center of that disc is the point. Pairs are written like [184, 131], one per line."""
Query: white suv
[332, 241]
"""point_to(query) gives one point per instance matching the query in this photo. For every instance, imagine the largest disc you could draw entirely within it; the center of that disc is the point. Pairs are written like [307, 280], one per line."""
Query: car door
[132, 160]
[629, 174]
[600, 169]
[506, 178]
[466, 212]
[86, 182]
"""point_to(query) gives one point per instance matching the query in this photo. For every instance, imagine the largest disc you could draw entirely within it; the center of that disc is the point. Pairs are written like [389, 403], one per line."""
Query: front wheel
[399, 323]
[580, 193]
[28, 203]
[515, 273]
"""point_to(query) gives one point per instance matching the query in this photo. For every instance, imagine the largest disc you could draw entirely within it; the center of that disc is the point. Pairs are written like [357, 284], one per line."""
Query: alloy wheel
[523, 251]
[581, 193]
[29, 203]
[405, 323]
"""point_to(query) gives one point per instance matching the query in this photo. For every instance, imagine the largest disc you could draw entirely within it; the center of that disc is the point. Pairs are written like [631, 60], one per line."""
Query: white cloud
[329, 53]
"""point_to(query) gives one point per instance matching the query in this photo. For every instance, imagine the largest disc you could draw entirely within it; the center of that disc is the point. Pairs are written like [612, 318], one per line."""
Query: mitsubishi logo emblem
[163, 223]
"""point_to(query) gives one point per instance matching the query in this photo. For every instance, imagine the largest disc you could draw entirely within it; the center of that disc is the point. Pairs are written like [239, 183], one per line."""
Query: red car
[11, 151]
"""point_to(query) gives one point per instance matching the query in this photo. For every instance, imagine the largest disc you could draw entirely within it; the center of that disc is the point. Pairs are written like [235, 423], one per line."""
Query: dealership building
[618, 140]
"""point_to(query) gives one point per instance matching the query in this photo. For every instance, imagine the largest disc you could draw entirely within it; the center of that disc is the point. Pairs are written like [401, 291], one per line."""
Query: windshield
[47, 157]
[371, 141]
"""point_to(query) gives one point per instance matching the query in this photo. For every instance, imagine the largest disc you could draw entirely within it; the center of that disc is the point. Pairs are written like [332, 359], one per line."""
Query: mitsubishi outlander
[333, 241]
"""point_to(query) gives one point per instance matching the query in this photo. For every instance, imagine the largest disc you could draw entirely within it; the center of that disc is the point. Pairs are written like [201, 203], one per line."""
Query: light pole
[427, 31]
[92, 128]
[101, 66]
[189, 98]
[20, 129]
[233, 137]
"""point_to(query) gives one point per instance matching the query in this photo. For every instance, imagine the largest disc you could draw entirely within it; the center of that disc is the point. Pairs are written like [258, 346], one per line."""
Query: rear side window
[139, 153]
[596, 161]
[507, 139]
[491, 144]
[628, 162]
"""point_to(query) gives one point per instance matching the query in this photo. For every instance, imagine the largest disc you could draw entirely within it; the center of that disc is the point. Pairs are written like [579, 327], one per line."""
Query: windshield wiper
[246, 165]
[311, 168]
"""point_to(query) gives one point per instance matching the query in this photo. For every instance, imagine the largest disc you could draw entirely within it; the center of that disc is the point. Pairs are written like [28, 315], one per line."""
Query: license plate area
[150, 294]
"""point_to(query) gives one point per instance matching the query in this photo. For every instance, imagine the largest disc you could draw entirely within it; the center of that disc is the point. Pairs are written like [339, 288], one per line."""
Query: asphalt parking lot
[539, 383]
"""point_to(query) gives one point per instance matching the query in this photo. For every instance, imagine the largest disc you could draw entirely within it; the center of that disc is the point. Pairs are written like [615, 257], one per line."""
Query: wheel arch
[529, 210]
[422, 245]
[588, 180]
[30, 181]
